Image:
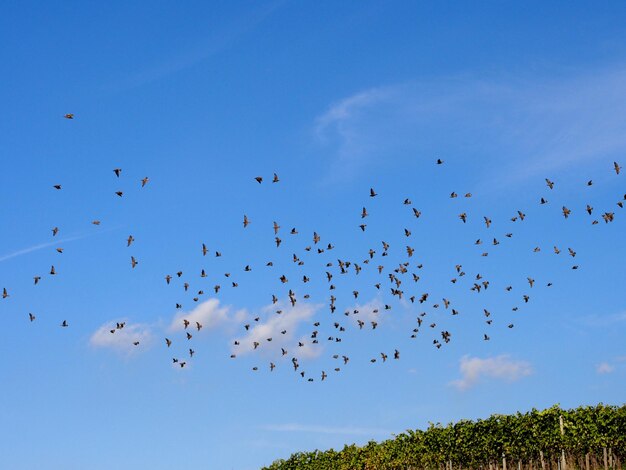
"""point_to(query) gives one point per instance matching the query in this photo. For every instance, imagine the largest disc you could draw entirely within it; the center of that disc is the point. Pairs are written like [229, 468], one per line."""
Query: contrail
[45, 245]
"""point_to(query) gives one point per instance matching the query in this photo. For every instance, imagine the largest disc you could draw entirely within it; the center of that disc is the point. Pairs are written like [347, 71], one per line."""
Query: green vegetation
[592, 437]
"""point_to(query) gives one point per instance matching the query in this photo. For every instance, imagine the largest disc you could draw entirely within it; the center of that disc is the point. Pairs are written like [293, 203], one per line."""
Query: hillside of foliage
[586, 438]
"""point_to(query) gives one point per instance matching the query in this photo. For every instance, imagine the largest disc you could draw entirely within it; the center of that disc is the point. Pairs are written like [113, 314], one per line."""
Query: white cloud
[347, 430]
[522, 126]
[121, 340]
[604, 368]
[499, 367]
[209, 314]
[368, 312]
[288, 321]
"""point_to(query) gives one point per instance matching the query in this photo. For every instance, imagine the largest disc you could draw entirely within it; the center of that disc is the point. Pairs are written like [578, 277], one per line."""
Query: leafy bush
[593, 437]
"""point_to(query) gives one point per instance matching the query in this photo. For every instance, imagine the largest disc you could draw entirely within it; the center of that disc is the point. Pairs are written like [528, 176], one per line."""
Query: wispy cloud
[121, 340]
[340, 116]
[321, 429]
[521, 125]
[608, 367]
[473, 369]
[604, 368]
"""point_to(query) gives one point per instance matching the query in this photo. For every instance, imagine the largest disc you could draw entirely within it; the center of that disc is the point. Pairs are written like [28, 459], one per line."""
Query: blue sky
[336, 98]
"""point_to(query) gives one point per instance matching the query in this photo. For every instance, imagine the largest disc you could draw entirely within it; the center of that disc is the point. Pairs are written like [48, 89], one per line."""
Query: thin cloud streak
[308, 428]
[603, 320]
[216, 44]
[41, 246]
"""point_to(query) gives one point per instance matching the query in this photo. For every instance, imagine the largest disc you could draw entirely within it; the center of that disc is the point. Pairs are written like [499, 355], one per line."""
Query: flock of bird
[403, 279]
